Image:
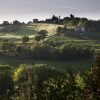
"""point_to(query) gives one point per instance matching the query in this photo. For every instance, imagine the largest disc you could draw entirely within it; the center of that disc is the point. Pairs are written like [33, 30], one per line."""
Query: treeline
[40, 82]
[46, 51]
[74, 22]
[71, 21]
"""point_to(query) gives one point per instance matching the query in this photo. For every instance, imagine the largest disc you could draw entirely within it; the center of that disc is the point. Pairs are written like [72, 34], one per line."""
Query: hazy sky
[25, 10]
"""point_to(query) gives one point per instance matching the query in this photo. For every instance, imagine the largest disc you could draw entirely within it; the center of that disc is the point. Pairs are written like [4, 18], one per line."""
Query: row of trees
[40, 82]
[72, 21]
[15, 22]
[69, 21]
[46, 52]
[76, 24]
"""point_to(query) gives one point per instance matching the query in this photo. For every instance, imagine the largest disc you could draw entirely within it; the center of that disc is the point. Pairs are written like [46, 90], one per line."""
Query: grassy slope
[76, 42]
[17, 31]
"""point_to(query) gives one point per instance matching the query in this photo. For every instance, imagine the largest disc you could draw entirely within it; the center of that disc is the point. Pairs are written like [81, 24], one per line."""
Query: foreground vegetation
[41, 82]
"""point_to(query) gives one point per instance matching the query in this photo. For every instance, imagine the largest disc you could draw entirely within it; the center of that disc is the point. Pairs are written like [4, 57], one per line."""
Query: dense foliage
[41, 82]
[46, 51]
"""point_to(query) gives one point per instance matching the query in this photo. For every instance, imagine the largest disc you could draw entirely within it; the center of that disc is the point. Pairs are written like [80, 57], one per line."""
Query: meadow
[17, 31]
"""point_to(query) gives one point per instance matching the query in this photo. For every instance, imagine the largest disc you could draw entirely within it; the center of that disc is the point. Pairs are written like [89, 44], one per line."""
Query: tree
[71, 16]
[25, 39]
[35, 20]
[43, 34]
[15, 22]
[26, 82]
[5, 23]
[66, 87]
[54, 19]
[37, 38]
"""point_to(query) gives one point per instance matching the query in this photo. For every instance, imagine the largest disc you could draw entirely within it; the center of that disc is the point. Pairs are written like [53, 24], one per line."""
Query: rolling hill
[17, 31]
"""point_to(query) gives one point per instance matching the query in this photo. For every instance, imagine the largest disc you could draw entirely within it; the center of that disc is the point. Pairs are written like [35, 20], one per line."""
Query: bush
[41, 52]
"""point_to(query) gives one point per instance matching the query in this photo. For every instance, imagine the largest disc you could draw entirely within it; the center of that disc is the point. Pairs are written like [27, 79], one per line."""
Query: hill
[17, 31]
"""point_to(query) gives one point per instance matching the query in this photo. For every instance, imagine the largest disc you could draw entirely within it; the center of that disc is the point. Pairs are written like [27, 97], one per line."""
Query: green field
[15, 33]
[76, 41]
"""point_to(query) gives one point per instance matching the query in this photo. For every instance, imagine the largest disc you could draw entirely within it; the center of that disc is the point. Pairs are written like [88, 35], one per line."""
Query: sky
[26, 10]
